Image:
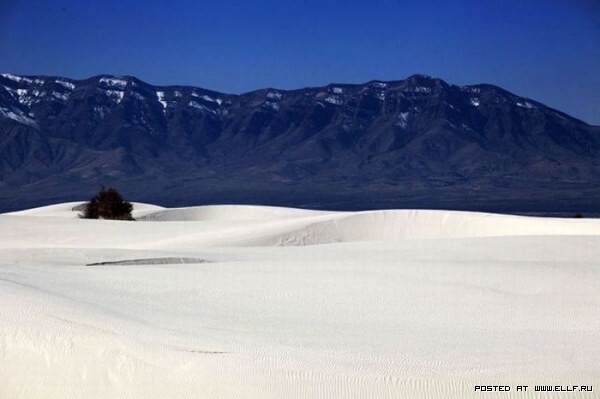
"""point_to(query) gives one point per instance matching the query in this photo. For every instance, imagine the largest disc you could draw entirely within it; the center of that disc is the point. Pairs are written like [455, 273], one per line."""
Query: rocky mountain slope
[418, 142]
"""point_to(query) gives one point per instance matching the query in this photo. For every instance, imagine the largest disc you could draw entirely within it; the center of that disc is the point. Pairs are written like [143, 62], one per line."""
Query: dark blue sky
[548, 50]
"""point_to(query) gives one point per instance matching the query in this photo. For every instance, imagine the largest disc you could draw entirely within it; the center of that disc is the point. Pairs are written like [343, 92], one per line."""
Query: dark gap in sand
[151, 261]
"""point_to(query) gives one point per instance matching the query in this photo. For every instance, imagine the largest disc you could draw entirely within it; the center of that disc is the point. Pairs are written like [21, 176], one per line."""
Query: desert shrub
[107, 204]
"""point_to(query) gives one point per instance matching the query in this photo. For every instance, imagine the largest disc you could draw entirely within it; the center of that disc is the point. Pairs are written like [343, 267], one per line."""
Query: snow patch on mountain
[115, 95]
[201, 107]
[272, 102]
[207, 98]
[160, 95]
[525, 104]
[194, 104]
[14, 78]
[60, 96]
[18, 115]
[378, 89]
[471, 89]
[271, 105]
[335, 100]
[212, 100]
[65, 84]
[25, 96]
[114, 82]
[273, 95]
[402, 120]
[20, 79]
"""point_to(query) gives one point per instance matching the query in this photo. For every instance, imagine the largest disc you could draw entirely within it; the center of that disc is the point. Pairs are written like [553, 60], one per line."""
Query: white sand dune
[72, 210]
[227, 212]
[289, 303]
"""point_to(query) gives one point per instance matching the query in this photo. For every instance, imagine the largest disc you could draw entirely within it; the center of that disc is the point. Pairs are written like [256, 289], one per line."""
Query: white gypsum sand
[261, 302]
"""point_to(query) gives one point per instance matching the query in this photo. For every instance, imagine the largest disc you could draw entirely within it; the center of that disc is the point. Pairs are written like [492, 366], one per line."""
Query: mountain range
[418, 142]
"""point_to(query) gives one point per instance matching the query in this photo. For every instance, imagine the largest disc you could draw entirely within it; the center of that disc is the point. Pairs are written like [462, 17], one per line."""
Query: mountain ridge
[385, 144]
[310, 87]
